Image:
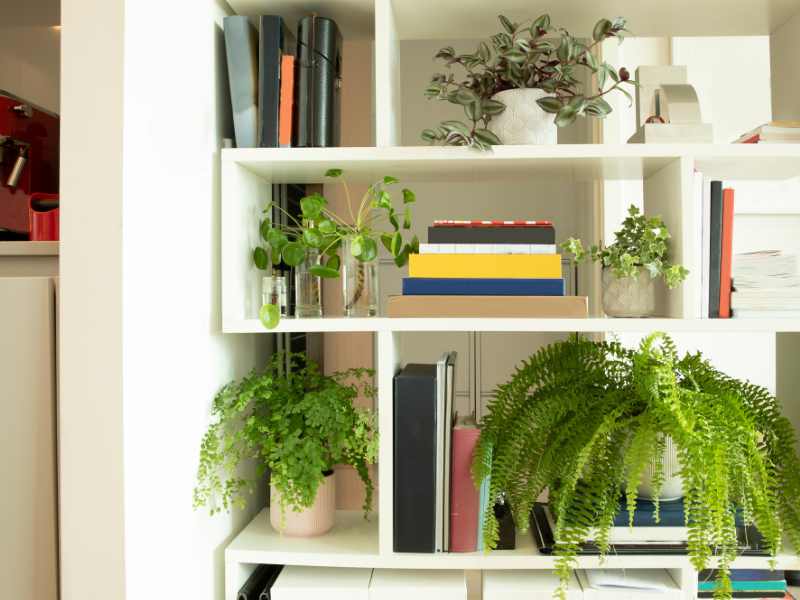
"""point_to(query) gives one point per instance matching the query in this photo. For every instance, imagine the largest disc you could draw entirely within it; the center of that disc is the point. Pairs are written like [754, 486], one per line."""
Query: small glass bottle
[359, 284]
[307, 288]
[273, 291]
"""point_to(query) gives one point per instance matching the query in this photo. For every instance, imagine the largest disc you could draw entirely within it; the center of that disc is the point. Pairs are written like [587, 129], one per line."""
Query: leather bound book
[275, 40]
[715, 255]
[319, 81]
[726, 256]
[415, 440]
[463, 493]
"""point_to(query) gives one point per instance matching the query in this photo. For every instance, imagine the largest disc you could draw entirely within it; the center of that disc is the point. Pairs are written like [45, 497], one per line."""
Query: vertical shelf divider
[388, 345]
[387, 76]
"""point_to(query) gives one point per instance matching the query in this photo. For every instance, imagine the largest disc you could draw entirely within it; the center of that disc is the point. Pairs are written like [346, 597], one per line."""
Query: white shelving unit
[666, 171]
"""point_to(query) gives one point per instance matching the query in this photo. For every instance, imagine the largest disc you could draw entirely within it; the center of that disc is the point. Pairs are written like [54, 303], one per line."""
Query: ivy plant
[642, 243]
[292, 420]
[586, 419]
[530, 54]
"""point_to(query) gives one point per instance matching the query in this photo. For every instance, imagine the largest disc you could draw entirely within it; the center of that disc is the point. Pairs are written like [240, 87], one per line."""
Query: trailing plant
[586, 419]
[642, 243]
[531, 54]
[320, 230]
[292, 420]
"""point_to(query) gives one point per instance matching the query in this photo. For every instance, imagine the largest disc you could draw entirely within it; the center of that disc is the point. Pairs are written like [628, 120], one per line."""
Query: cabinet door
[28, 550]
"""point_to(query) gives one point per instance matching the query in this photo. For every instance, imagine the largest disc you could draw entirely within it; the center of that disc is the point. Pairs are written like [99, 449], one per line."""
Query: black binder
[319, 79]
[259, 583]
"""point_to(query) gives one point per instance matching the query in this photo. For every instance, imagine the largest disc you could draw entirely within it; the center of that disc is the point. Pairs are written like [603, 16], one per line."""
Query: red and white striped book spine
[490, 223]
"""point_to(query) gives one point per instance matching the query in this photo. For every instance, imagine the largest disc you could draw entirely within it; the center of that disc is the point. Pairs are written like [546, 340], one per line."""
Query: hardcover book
[463, 493]
[715, 250]
[491, 235]
[275, 41]
[521, 307]
[726, 257]
[427, 286]
[485, 266]
[241, 50]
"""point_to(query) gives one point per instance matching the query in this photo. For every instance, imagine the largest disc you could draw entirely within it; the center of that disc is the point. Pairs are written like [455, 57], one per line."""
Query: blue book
[670, 513]
[424, 286]
[710, 575]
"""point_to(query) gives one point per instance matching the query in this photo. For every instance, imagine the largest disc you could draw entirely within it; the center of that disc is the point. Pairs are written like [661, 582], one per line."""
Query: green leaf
[465, 96]
[428, 135]
[312, 238]
[407, 218]
[389, 180]
[507, 25]
[492, 107]
[549, 104]
[393, 221]
[386, 240]
[277, 239]
[515, 56]
[333, 173]
[327, 227]
[333, 262]
[483, 52]
[260, 258]
[311, 206]
[293, 253]
[473, 111]
[414, 245]
[264, 229]
[324, 271]
[369, 251]
[382, 200]
[598, 107]
[401, 259]
[566, 116]
[397, 244]
[269, 315]
[601, 30]
[357, 246]
[408, 196]
[542, 22]
[487, 137]
[456, 126]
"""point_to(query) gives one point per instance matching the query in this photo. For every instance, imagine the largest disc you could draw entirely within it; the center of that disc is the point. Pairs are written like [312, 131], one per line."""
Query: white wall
[29, 63]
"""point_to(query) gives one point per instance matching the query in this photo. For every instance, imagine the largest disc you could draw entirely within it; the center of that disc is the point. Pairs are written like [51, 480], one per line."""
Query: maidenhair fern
[586, 419]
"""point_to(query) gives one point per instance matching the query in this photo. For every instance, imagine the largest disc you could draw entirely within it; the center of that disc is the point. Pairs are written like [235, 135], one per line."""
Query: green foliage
[293, 421]
[642, 243]
[584, 419]
[533, 54]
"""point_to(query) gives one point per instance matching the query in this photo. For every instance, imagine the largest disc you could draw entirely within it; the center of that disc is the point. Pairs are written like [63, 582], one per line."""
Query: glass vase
[359, 284]
[307, 288]
[273, 291]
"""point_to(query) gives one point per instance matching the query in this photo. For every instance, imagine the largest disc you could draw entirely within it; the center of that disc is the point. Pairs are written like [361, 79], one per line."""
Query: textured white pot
[628, 296]
[523, 121]
[672, 488]
[315, 520]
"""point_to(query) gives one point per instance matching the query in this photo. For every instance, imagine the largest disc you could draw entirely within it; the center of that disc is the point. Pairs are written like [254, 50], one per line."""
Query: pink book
[463, 493]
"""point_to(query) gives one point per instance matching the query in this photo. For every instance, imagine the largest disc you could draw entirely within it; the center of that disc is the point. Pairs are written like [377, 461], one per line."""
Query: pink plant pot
[315, 520]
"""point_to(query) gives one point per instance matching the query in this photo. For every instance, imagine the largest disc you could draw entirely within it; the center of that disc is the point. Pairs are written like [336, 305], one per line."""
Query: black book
[319, 82]
[491, 235]
[715, 255]
[260, 579]
[274, 41]
[415, 400]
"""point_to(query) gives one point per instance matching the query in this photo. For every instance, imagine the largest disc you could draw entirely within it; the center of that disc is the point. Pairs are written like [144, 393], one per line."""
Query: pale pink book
[463, 493]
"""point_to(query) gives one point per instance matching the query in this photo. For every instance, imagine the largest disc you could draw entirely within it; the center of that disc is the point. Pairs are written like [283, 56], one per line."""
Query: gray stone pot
[629, 296]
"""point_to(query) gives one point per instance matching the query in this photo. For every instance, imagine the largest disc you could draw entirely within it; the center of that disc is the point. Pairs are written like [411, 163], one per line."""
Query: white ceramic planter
[523, 121]
[629, 296]
[672, 488]
[313, 521]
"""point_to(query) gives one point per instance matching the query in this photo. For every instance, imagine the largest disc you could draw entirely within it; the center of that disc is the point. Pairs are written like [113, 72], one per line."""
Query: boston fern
[586, 419]
[532, 54]
[296, 422]
[640, 244]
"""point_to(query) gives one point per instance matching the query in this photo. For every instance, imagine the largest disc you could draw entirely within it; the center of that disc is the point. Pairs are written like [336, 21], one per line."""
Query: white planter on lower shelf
[523, 122]
[315, 520]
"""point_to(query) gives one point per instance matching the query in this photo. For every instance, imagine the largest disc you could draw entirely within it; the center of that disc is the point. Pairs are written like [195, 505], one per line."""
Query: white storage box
[628, 584]
[328, 583]
[526, 585]
[401, 584]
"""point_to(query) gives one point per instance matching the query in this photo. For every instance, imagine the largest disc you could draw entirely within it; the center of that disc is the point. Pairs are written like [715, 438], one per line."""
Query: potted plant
[341, 242]
[585, 420]
[631, 265]
[297, 423]
[524, 83]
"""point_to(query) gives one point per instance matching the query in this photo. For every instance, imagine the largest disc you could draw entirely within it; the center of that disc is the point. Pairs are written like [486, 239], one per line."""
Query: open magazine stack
[766, 285]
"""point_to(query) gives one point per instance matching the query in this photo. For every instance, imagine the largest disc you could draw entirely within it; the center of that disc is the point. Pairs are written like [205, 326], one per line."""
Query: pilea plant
[320, 230]
[642, 243]
[292, 420]
[531, 54]
[586, 419]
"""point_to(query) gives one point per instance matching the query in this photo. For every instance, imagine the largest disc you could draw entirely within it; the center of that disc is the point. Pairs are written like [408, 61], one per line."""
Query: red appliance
[29, 138]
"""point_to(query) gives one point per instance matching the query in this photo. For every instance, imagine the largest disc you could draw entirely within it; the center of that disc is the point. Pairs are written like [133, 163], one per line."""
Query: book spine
[241, 49]
[274, 41]
[492, 223]
[287, 101]
[464, 495]
[486, 266]
[414, 462]
[491, 235]
[715, 249]
[477, 287]
[487, 249]
[706, 249]
[726, 259]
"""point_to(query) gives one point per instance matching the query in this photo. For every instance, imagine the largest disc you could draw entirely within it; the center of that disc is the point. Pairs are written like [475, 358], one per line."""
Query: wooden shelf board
[375, 324]
[28, 248]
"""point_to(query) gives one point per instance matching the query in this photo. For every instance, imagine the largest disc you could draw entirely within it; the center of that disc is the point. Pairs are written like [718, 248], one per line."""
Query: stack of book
[714, 204]
[746, 583]
[766, 285]
[774, 132]
[487, 269]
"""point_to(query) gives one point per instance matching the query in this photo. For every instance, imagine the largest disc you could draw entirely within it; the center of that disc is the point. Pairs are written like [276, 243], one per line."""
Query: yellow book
[485, 266]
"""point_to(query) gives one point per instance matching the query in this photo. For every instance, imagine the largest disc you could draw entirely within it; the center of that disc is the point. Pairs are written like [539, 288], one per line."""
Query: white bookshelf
[666, 172]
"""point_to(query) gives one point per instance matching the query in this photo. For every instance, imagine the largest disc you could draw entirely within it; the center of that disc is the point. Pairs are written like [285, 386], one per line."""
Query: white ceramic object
[523, 121]
[313, 521]
[672, 488]
[628, 296]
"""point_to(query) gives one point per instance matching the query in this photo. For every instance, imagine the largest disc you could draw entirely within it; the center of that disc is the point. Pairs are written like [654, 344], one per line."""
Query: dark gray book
[415, 472]
[274, 41]
[241, 50]
[715, 256]
[319, 82]
[491, 235]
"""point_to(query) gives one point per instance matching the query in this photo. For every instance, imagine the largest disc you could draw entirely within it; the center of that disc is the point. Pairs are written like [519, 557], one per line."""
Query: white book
[408, 584]
[330, 583]
[628, 584]
[706, 250]
[765, 314]
[487, 249]
[443, 433]
[526, 585]
[697, 207]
